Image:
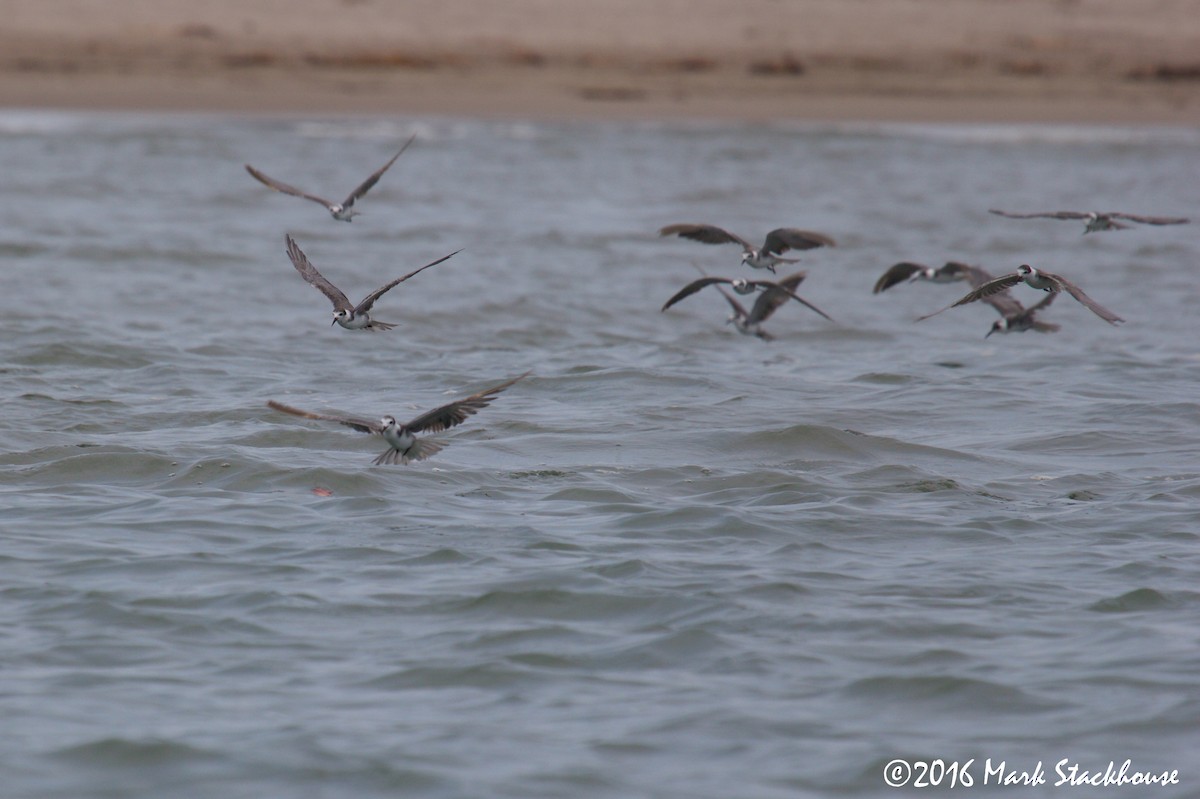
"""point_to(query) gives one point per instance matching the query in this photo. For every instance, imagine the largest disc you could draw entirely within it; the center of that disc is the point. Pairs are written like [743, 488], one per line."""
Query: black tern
[1096, 221]
[403, 445]
[1016, 318]
[767, 256]
[351, 317]
[343, 211]
[909, 272]
[743, 286]
[750, 323]
[1038, 280]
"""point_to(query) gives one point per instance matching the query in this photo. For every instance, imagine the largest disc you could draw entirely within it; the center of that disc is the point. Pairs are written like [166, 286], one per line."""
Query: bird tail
[377, 325]
[419, 451]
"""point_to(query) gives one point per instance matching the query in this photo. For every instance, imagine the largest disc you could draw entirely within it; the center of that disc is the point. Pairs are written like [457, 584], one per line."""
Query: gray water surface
[673, 562]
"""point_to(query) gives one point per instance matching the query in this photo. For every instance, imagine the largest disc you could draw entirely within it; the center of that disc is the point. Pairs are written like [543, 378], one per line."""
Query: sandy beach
[1079, 61]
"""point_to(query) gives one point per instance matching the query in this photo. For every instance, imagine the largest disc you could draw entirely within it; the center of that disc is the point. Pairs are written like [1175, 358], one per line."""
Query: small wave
[1015, 134]
[114, 752]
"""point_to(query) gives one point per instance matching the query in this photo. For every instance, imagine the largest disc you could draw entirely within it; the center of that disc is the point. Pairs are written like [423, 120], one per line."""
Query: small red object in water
[322, 492]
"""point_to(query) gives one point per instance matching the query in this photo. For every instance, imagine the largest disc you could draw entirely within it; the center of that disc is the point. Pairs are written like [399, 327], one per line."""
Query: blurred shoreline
[1067, 61]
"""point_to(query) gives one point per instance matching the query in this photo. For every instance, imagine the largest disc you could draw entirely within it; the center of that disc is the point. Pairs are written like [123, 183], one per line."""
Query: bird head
[999, 326]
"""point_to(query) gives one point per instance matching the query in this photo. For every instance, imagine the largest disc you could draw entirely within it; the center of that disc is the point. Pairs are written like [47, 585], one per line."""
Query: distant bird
[953, 271]
[1038, 280]
[1016, 318]
[343, 211]
[1097, 221]
[351, 317]
[403, 445]
[743, 286]
[767, 256]
[750, 323]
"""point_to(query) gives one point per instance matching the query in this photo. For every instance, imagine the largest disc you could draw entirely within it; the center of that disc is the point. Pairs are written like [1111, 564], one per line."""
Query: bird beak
[334, 322]
[990, 332]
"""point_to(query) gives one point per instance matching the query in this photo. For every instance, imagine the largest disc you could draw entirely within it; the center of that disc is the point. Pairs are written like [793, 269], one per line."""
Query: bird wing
[279, 186]
[808, 304]
[770, 300]
[1045, 303]
[738, 309]
[1006, 304]
[708, 234]
[315, 278]
[457, 412]
[369, 300]
[784, 287]
[1077, 293]
[1151, 220]
[1009, 306]
[988, 289]
[897, 273]
[957, 270]
[766, 304]
[1048, 214]
[976, 275]
[793, 281]
[692, 288]
[783, 239]
[358, 423]
[366, 185]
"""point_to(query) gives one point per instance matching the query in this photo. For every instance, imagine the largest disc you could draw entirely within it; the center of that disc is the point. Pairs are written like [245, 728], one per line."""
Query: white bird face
[340, 316]
[741, 286]
[388, 422]
[1024, 270]
[999, 326]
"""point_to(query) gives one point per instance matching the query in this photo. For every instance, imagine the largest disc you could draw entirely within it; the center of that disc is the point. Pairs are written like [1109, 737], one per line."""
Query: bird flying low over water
[750, 322]
[1016, 318]
[743, 286]
[403, 445]
[767, 256]
[1095, 221]
[909, 272]
[343, 211]
[1038, 280]
[349, 316]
